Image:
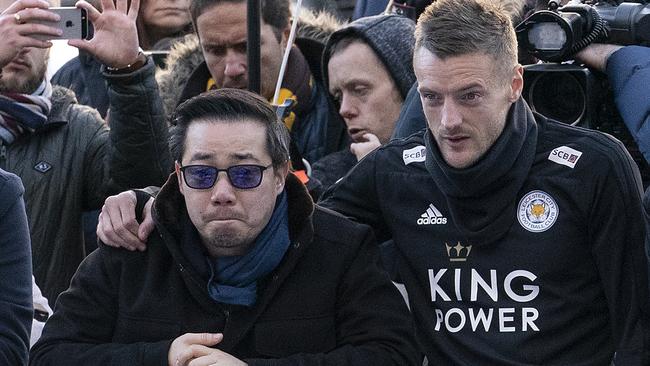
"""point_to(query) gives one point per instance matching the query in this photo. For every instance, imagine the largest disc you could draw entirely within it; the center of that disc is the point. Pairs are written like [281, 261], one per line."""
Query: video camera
[572, 93]
[558, 33]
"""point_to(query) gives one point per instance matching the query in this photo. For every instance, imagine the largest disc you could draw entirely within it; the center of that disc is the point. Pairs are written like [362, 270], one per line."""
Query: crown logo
[456, 253]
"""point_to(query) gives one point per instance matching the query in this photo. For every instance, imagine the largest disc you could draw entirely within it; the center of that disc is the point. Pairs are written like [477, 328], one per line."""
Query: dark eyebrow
[223, 42]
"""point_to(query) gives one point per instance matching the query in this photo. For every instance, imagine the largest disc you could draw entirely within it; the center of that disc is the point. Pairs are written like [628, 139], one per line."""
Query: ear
[517, 83]
[280, 177]
[177, 169]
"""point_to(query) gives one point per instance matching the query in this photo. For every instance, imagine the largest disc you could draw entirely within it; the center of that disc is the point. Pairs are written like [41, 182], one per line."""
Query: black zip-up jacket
[74, 165]
[532, 256]
[327, 303]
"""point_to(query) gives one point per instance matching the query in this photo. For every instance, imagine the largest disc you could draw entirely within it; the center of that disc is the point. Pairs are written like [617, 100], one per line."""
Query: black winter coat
[327, 303]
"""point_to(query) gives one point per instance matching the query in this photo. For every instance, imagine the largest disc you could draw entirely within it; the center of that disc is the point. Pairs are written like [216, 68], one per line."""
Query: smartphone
[73, 23]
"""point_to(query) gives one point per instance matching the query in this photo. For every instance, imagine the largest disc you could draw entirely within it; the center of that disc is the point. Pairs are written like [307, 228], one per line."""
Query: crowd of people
[410, 208]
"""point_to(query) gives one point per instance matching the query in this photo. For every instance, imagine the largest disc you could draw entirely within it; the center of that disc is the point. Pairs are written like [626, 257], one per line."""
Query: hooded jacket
[327, 303]
[74, 165]
[533, 255]
[380, 33]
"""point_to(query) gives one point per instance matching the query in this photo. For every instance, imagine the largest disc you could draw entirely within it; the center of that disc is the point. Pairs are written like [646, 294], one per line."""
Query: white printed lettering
[491, 290]
[480, 317]
[534, 290]
[457, 284]
[503, 319]
[460, 325]
[439, 317]
[433, 282]
[527, 320]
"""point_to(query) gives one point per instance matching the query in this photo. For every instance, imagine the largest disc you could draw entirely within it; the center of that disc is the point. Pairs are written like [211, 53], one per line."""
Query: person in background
[66, 156]
[368, 79]
[159, 23]
[15, 273]
[316, 129]
[628, 71]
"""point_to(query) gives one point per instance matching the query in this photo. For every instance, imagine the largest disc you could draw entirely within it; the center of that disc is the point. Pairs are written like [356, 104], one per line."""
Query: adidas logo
[432, 217]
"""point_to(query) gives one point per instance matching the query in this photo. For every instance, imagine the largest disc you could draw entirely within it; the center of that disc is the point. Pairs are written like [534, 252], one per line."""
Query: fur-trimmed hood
[185, 55]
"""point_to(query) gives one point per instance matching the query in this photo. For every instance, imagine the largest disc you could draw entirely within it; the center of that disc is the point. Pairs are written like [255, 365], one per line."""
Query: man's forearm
[139, 132]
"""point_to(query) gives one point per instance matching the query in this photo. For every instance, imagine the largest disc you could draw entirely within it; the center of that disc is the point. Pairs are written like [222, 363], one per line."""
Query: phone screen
[73, 23]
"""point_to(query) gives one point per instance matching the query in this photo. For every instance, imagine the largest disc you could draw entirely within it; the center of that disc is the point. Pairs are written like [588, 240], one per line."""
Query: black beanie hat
[391, 37]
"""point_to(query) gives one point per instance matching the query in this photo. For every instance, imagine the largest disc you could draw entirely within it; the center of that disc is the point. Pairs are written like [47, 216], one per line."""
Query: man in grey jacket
[65, 154]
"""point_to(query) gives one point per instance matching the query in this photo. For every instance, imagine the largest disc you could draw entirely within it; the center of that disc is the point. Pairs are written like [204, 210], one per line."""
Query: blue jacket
[628, 70]
[15, 273]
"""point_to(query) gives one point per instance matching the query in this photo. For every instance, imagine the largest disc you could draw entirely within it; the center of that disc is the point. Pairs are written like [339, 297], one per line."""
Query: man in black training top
[519, 239]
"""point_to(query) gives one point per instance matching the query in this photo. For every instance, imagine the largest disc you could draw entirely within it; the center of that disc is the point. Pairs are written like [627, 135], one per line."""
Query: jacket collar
[59, 115]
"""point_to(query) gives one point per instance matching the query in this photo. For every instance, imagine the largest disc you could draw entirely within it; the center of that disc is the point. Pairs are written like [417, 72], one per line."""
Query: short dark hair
[275, 13]
[227, 106]
[450, 28]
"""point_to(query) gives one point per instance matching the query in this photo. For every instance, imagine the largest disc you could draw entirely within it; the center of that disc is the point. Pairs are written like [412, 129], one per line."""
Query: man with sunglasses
[242, 268]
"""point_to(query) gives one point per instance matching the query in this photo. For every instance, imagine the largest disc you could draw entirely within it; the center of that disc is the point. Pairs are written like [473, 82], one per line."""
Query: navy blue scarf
[233, 280]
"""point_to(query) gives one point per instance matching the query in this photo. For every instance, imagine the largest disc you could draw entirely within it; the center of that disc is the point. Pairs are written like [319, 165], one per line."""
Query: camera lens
[558, 96]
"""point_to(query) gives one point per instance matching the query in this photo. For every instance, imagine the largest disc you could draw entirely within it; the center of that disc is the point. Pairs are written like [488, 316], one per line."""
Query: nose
[223, 193]
[235, 64]
[450, 116]
[348, 108]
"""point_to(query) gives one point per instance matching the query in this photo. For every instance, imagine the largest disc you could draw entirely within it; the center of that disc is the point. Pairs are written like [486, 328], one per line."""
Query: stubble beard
[16, 83]
[225, 244]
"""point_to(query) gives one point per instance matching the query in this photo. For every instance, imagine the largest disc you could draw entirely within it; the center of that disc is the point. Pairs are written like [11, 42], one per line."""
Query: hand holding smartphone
[73, 23]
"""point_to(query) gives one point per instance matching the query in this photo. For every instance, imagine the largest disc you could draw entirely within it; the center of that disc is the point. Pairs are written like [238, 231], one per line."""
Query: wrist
[140, 61]
[610, 52]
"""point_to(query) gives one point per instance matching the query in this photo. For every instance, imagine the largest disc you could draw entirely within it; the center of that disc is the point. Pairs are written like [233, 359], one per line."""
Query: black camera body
[571, 93]
[558, 33]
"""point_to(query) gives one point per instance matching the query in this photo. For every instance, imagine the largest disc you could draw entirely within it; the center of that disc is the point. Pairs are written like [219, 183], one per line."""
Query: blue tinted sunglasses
[240, 176]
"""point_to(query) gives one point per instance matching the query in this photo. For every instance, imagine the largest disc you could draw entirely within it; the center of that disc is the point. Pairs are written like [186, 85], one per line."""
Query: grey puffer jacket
[73, 166]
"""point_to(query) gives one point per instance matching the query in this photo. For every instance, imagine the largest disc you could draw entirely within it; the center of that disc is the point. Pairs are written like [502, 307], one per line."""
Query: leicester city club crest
[537, 211]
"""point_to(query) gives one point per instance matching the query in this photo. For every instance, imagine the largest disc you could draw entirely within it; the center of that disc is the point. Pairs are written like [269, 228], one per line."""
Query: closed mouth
[357, 134]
